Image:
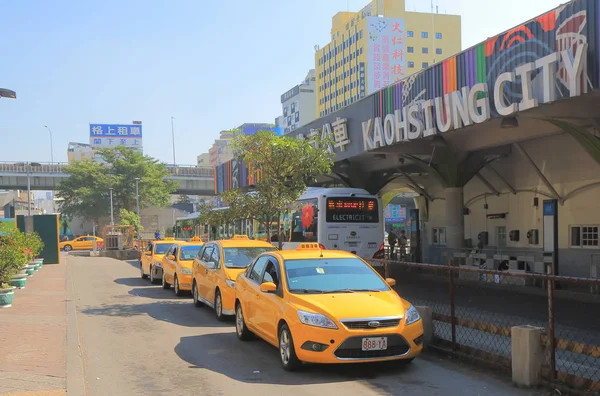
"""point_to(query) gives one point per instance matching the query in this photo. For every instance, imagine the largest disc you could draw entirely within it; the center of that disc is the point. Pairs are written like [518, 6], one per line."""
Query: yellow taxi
[80, 243]
[151, 260]
[177, 266]
[215, 269]
[325, 306]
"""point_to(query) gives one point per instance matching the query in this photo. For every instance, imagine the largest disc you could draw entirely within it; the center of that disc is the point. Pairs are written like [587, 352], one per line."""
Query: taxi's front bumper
[185, 281]
[344, 345]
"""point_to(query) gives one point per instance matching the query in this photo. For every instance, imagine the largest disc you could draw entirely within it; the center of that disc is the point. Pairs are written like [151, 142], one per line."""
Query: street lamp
[112, 219]
[137, 196]
[28, 166]
[51, 145]
[173, 135]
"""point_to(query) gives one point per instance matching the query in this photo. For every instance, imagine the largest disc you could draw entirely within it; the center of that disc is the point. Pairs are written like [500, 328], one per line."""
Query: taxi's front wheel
[287, 353]
[240, 325]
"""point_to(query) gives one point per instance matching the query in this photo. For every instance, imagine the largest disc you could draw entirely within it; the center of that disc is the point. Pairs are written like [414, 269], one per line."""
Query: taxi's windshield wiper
[351, 290]
[307, 291]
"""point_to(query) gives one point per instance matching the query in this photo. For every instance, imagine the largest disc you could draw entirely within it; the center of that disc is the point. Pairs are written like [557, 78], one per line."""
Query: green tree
[86, 193]
[285, 165]
[132, 219]
[183, 199]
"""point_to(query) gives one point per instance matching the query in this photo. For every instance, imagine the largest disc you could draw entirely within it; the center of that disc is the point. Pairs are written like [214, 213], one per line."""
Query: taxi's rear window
[240, 257]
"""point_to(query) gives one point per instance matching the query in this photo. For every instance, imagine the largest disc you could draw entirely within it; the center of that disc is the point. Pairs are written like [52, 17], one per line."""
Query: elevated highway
[46, 176]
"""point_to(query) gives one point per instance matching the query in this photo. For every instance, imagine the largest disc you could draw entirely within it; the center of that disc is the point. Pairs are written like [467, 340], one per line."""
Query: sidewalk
[33, 336]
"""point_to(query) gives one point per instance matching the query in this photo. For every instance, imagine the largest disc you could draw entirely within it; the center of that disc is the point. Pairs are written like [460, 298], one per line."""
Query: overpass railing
[57, 167]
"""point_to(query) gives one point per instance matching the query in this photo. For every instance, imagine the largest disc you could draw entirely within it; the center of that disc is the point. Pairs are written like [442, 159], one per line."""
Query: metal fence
[474, 310]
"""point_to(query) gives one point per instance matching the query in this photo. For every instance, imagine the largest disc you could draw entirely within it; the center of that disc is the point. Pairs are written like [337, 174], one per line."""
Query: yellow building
[377, 46]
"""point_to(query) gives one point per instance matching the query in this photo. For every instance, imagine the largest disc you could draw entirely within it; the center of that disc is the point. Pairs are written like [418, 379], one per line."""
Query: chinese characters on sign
[337, 131]
[361, 83]
[109, 135]
[106, 130]
[386, 52]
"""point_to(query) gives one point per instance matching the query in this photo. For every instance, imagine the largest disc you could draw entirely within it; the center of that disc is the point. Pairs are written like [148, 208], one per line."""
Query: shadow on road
[132, 281]
[181, 313]
[158, 293]
[223, 353]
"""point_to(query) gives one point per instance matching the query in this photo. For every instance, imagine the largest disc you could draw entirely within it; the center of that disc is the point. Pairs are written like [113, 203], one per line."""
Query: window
[271, 272]
[257, 269]
[189, 252]
[215, 257]
[425, 50]
[438, 36]
[438, 236]
[425, 65]
[304, 230]
[424, 35]
[161, 248]
[410, 49]
[330, 275]
[438, 51]
[410, 33]
[501, 236]
[411, 65]
[585, 236]
[206, 253]
[240, 257]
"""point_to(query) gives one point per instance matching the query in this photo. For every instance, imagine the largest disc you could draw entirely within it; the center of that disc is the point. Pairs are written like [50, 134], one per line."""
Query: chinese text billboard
[386, 52]
[112, 135]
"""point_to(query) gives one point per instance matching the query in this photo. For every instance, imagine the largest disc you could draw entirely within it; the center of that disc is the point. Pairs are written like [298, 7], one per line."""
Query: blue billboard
[115, 130]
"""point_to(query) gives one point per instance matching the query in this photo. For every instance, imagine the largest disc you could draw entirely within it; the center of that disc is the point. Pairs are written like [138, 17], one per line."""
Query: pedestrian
[402, 242]
[157, 235]
[392, 240]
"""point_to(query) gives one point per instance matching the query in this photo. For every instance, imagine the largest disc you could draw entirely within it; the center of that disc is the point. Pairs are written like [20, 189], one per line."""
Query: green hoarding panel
[47, 228]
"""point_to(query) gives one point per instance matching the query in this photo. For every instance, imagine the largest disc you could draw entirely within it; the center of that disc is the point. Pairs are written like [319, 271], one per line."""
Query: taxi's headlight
[316, 319]
[230, 283]
[412, 315]
[186, 271]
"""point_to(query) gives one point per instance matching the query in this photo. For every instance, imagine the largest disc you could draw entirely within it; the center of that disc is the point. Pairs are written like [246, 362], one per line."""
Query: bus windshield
[351, 210]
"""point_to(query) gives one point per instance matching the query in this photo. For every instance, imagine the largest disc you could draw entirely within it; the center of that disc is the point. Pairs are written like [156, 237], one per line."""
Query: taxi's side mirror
[391, 281]
[171, 257]
[210, 265]
[148, 253]
[268, 287]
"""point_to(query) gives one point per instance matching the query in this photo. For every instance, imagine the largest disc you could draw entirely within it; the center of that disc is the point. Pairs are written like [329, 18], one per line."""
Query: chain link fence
[474, 310]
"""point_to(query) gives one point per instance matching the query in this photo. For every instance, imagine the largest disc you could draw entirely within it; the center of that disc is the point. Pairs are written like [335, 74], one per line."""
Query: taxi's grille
[351, 348]
[364, 324]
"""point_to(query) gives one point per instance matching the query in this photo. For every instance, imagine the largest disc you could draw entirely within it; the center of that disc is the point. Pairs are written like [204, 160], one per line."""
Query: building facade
[298, 104]
[377, 46]
[79, 151]
[203, 160]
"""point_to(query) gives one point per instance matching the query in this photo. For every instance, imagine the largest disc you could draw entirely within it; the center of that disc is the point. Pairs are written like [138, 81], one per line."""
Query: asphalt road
[131, 338]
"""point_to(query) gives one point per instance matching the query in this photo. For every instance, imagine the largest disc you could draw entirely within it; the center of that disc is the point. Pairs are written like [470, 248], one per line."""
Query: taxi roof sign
[169, 239]
[310, 246]
[238, 237]
[196, 239]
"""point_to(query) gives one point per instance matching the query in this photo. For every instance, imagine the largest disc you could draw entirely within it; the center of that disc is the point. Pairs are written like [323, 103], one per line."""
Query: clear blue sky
[212, 65]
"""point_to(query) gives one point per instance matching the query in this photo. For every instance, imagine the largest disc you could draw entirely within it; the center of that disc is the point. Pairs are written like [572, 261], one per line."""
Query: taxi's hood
[158, 257]
[186, 263]
[352, 305]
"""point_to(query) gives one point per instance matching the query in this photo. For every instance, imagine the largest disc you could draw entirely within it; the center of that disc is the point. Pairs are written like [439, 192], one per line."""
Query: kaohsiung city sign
[471, 105]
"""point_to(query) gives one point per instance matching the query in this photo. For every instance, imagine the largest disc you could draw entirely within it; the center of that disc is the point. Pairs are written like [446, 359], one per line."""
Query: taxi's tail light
[321, 246]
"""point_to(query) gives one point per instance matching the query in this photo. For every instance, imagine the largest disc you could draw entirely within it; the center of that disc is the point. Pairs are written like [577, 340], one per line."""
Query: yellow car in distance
[325, 306]
[177, 266]
[151, 259]
[80, 243]
[217, 266]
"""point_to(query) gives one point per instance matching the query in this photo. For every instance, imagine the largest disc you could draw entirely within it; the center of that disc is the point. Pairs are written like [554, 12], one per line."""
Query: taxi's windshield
[325, 275]
[240, 257]
[161, 248]
[189, 252]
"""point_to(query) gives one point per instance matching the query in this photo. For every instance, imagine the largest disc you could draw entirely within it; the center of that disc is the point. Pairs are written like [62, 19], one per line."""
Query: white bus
[347, 219]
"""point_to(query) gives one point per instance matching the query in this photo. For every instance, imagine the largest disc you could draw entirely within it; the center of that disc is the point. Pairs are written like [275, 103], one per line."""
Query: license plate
[374, 344]
[353, 244]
